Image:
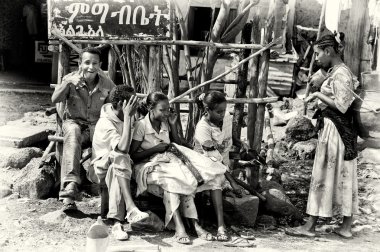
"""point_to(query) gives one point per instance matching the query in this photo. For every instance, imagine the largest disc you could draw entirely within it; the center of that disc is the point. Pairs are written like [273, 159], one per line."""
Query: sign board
[41, 52]
[109, 19]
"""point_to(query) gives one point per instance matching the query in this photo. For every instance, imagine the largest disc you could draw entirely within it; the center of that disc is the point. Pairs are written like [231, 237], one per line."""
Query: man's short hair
[120, 93]
[92, 50]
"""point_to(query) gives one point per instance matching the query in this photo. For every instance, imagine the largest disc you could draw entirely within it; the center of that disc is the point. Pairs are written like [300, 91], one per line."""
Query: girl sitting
[213, 138]
[163, 173]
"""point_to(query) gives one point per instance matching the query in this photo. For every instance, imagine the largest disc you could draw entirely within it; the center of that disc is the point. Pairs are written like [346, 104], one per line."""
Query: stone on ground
[5, 191]
[18, 158]
[35, 182]
[245, 209]
[55, 217]
[306, 149]
[300, 128]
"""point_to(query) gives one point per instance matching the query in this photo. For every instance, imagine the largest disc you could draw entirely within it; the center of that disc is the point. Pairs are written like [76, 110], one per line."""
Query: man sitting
[111, 164]
[82, 94]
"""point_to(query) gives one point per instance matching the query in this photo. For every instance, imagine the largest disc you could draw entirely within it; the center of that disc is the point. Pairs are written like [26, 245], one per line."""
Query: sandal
[239, 242]
[137, 215]
[222, 236]
[298, 233]
[70, 191]
[182, 238]
[247, 235]
[119, 233]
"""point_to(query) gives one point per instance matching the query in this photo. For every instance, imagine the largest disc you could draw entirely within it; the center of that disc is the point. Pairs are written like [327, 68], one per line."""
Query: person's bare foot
[344, 233]
[301, 231]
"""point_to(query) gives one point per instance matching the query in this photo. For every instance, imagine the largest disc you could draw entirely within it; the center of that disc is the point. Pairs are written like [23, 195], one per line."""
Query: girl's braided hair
[211, 100]
[335, 40]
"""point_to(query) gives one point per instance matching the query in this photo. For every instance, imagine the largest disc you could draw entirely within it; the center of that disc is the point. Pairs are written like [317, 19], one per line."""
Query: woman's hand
[172, 119]
[311, 97]
[161, 147]
[245, 147]
[130, 107]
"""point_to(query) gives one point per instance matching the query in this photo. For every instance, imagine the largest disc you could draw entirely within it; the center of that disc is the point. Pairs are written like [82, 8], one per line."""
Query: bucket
[97, 237]
[370, 93]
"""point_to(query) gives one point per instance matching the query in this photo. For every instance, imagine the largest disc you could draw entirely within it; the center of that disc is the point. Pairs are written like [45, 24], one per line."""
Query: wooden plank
[112, 64]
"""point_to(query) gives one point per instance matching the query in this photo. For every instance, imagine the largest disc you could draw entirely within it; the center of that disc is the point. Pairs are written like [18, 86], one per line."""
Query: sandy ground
[21, 228]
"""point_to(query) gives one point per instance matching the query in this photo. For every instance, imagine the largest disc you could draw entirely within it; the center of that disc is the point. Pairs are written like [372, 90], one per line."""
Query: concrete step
[21, 136]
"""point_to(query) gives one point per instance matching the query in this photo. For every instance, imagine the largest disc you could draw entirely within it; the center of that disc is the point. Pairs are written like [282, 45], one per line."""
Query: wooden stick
[68, 42]
[321, 24]
[270, 138]
[228, 71]
[250, 189]
[130, 66]
[46, 153]
[191, 43]
[263, 79]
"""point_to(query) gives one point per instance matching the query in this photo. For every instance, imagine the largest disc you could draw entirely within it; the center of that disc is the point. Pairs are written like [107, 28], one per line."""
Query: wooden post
[112, 64]
[353, 35]
[132, 74]
[242, 84]
[63, 69]
[253, 82]
[291, 34]
[320, 27]
[154, 78]
[263, 78]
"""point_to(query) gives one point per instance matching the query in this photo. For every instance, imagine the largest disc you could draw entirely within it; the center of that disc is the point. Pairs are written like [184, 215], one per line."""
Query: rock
[364, 229]
[300, 128]
[266, 221]
[55, 217]
[35, 182]
[306, 149]
[14, 196]
[5, 191]
[282, 153]
[18, 158]
[245, 209]
[281, 119]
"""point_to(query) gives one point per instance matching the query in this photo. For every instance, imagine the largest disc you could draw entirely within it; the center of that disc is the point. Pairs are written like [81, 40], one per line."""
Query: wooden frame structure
[255, 55]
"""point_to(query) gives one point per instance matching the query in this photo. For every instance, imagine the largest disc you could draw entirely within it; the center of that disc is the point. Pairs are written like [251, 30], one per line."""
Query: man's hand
[76, 79]
[130, 107]
[161, 147]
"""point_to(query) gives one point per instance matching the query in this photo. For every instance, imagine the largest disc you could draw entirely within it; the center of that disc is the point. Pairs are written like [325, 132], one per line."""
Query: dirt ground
[22, 229]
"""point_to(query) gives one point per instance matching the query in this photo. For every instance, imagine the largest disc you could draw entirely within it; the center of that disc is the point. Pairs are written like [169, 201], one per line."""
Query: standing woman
[333, 186]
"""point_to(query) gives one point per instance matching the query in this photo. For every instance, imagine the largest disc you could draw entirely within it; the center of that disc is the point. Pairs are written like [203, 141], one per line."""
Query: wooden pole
[112, 64]
[131, 69]
[268, 46]
[154, 78]
[353, 35]
[263, 78]
[190, 43]
[320, 27]
[253, 83]
[68, 42]
[242, 85]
